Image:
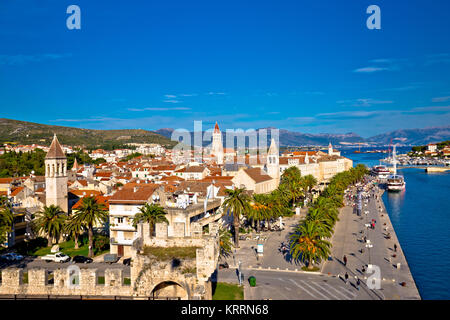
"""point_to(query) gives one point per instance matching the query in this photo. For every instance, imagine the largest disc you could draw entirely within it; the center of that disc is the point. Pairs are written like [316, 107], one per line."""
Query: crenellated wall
[63, 282]
[149, 278]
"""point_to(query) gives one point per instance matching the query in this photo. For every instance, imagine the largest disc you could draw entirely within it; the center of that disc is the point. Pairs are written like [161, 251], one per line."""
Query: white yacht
[395, 182]
[381, 172]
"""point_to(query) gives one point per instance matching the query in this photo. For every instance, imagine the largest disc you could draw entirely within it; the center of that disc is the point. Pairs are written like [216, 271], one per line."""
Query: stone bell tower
[56, 176]
[217, 146]
[273, 161]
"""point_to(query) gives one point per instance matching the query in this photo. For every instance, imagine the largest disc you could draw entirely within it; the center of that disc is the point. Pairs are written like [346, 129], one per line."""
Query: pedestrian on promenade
[346, 277]
[363, 269]
[358, 283]
[395, 247]
[345, 260]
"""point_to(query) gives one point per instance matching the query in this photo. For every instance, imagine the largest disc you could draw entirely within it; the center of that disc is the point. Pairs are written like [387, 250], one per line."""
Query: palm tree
[260, 210]
[237, 201]
[151, 214]
[308, 182]
[290, 174]
[296, 191]
[282, 193]
[74, 228]
[50, 221]
[89, 214]
[308, 245]
[225, 243]
[319, 217]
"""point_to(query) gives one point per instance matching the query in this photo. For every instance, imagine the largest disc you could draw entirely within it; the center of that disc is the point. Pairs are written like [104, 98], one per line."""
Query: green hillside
[22, 132]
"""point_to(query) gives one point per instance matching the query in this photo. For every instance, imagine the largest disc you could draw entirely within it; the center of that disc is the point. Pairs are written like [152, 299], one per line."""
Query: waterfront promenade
[280, 278]
[348, 240]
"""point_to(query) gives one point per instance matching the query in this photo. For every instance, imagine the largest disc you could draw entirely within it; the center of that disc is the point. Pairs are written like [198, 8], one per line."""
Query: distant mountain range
[23, 132]
[413, 136]
[401, 137]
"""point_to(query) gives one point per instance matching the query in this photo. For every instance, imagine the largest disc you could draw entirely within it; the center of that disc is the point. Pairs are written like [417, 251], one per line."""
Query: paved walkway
[273, 258]
[278, 277]
[347, 240]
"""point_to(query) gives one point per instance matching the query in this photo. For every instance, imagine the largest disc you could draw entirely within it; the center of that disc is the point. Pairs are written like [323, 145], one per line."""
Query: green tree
[74, 228]
[323, 221]
[308, 245]
[308, 182]
[6, 219]
[260, 210]
[290, 174]
[151, 214]
[50, 221]
[89, 214]
[238, 202]
[225, 243]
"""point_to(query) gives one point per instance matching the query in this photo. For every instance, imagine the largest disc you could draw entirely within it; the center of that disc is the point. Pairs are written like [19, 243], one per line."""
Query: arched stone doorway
[169, 290]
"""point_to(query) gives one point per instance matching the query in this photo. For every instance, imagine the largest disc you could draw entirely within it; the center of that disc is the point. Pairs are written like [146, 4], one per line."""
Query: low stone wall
[62, 283]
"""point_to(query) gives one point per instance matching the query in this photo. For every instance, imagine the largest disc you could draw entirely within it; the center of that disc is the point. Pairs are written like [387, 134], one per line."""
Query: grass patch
[227, 291]
[127, 281]
[169, 253]
[189, 270]
[68, 247]
[101, 280]
[310, 270]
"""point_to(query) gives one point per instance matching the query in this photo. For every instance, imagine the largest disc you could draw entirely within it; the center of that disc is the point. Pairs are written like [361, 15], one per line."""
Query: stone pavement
[279, 278]
[282, 285]
[347, 240]
[273, 258]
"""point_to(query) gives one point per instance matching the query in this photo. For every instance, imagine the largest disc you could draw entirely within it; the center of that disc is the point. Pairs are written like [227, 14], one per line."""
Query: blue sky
[309, 66]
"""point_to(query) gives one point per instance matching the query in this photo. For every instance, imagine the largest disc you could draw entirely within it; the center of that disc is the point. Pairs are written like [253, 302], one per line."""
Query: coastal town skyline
[304, 67]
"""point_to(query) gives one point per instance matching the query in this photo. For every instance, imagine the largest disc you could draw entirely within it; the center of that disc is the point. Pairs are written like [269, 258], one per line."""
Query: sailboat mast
[394, 159]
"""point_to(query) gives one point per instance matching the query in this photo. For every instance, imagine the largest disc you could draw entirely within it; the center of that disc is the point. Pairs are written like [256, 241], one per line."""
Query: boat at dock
[395, 182]
[381, 172]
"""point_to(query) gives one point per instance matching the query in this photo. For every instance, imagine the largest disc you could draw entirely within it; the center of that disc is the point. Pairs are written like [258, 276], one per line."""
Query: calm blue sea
[421, 218]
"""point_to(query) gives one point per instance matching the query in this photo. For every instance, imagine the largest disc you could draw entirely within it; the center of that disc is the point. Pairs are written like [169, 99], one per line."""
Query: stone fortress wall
[148, 278]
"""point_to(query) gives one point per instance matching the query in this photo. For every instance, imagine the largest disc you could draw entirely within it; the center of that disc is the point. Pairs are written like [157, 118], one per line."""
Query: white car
[56, 257]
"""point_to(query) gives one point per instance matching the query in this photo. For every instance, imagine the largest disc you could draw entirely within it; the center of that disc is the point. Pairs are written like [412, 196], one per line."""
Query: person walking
[345, 260]
[358, 283]
[395, 247]
[346, 277]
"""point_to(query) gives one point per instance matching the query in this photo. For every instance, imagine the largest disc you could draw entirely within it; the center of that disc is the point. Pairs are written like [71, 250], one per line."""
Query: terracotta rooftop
[100, 199]
[138, 194]
[256, 175]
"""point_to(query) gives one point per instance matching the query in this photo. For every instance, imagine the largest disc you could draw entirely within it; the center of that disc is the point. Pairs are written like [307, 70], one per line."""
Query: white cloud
[158, 109]
[363, 102]
[172, 101]
[370, 69]
[441, 99]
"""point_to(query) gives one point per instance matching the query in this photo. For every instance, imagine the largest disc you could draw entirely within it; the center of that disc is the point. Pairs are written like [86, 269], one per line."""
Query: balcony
[122, 227]
[126, 242]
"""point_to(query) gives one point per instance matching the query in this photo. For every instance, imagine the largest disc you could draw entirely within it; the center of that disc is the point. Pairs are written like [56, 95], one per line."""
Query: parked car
[10, 257]
[82, 259]
[56, 257]
[110, 258]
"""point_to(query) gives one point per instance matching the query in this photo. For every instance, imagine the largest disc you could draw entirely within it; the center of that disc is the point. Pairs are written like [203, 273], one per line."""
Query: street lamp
[239, 273]
[368, 246]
